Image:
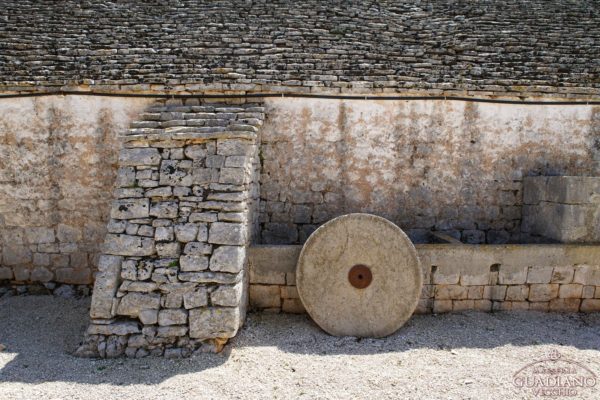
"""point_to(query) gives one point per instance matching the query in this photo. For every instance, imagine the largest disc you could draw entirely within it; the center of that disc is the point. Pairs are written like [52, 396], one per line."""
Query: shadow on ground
[41, 332]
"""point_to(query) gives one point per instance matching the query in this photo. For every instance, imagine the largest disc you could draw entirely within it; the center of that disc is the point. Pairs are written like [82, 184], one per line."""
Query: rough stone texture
[562, 208]
[503, 47]
[57, 169]
[171, 221]
[322, 276]
[450, 167]
[469, 278]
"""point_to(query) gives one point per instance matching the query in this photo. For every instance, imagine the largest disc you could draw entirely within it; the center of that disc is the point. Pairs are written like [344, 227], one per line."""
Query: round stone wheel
[359, 275]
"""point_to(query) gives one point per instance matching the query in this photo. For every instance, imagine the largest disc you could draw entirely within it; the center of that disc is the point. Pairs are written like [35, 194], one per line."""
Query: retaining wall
[564, 278]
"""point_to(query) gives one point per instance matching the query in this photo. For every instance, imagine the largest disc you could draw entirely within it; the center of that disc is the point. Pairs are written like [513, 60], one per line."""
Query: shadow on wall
[40, 333]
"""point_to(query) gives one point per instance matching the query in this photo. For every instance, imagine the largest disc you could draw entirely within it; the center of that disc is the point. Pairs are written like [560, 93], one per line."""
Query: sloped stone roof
[510, 47]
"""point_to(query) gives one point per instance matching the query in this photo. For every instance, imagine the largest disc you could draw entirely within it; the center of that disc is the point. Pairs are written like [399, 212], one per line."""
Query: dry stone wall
[452, 167]
[58, 157]
[555, 278]
[539, 48]
[172, 274]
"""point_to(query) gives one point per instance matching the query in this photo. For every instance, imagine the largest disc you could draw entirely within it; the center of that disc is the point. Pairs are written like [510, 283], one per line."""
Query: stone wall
[534, 48]
[172, 277]
[562, 208]
[58, 159]
[561, 278]
[454, 167]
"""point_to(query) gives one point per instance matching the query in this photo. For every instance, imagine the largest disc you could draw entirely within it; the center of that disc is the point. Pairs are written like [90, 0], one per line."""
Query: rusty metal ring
[360, 276]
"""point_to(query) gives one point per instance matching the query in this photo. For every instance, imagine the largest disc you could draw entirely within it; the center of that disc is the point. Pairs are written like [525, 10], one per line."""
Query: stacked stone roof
[503, 47]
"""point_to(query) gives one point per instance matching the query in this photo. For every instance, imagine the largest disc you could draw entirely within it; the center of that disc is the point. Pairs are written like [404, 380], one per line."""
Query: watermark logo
[555, 376]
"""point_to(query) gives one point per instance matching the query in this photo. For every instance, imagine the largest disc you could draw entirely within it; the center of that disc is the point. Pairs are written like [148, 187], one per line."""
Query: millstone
[359, 275]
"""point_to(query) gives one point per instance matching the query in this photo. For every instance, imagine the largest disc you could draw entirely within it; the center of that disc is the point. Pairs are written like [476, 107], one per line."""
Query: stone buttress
[172, 275]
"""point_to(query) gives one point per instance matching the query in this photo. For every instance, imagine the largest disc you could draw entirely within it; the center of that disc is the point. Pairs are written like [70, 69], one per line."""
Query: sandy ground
[459, 356]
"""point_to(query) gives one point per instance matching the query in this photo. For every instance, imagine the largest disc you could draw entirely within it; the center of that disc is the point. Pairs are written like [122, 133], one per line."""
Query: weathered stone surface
[227, 233]
[5, 273]
[228, 259]
[197, 248]
[127, 245]
[186, 232]
[172, 317]
[148, 317]
[196, 298]
[193, 263]
[132, 303]
[214, 322]
[164, 209]
[209, 277]
[139, 156]
[39, 235]
[130, 208]
[228, 296]
[541, 292]
[105, 286]
[326, 292]
[118, 328]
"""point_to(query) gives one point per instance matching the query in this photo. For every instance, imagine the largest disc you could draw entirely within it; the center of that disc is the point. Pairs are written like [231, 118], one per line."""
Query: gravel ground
[458, 356]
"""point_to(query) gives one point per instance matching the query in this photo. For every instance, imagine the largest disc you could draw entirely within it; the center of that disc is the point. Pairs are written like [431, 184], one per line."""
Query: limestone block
[517, 292]
[539, 306]
[164, 209]
[214, 322]
[475, 292]
[445, 276]
[543, 292]
[132, 303]
[264, 296]
[539, 274]
[171, 331]
[228, 296]
[41, 274]
[450, 292]
[209, 277]
[289, 292]
[5, 273]
[268, 277]
[227, 233]
[197, 248]
[588, 292]
[228, 259]
[482, 305]
[195, 152]
[172, 317]
[564, 305]
[130, 208]
[148, 317]
[36, 235]
[139, 156]
[125, 177]
[587, 275]
[122, 328]
[203, 217]
[105, 286]
[563, 274]
[570, 291]
[41, 259]
[168, 249]
[186, 232]
[68, 234]
[442, 306]
[293, 306]
[590, 305]
[234, 147]
[164, 234]
[74, 276]
[193, 263]
[196, 298]
[496, 292]
[234, 176]
[512, 275]
[462, 305]
[127, 245]
[15, 255]
[176, 173]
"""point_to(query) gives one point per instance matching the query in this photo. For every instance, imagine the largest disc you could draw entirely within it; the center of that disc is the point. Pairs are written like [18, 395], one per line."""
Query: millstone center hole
[360, 276]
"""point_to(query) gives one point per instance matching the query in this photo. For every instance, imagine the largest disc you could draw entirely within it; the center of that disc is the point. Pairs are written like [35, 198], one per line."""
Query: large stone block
[132, 303]
[228, 259]
[130, 208]
[227, 296]
[139, 156]
[227, 233]
[105, 286]
[562, 208]
[214, 322]
[127, 245]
